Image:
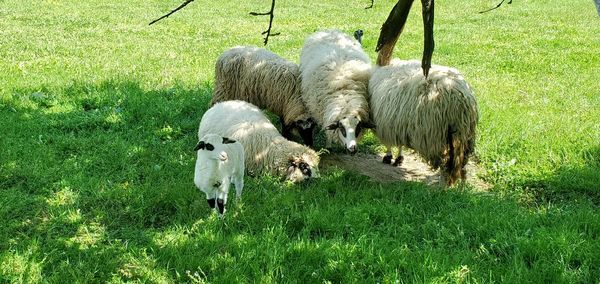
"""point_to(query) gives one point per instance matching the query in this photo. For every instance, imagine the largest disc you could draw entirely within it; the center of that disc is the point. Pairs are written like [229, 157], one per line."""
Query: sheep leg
[400, 158]
[387, 159]
[222, 197]
[238, 181]
[221, 205]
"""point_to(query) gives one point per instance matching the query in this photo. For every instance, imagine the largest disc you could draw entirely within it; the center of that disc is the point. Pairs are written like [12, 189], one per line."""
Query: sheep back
[335, 74]
[262, 78]
[421, 113]
[266, 151]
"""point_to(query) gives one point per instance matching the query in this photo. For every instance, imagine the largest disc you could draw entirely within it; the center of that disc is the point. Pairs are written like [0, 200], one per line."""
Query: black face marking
[227, 140]
[333, 126]
[201, 146]
[342, 129]
[305, 168]
[211, 203]
[217, 184]
[307, 124]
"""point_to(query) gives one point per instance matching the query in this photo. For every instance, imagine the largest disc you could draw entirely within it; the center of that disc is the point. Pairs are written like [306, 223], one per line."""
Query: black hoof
[387, 159]
[398, 161]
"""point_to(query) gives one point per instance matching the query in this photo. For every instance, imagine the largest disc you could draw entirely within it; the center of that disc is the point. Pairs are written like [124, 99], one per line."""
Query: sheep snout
[223, 156]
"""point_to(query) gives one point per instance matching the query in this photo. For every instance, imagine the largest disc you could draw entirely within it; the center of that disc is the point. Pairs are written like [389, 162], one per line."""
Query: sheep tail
[456, 158]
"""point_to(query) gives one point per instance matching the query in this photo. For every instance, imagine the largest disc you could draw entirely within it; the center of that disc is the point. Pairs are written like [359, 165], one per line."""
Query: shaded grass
[99, 116]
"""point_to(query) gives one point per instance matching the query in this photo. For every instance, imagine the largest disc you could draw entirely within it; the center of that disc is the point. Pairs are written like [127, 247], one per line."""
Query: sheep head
[349, 130]
[212, 144]
[305, 129]
[301, 168]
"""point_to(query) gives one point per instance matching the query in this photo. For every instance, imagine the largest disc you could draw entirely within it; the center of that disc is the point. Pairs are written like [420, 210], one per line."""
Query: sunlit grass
[99, 114]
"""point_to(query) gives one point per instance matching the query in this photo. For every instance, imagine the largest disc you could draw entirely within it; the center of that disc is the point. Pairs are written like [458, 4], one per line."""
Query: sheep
[266, 151]
[435, 115]
[335, 74]
[220, 162]
[266, 80]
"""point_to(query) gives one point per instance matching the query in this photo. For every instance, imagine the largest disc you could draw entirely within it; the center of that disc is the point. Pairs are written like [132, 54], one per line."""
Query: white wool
[266, 151]
[335, 75]
[262, 78]
[425, 114]
[217, 168]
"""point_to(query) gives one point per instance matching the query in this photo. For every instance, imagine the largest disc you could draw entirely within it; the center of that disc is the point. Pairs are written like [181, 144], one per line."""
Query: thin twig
[371, 6]
[176, 9]
[497, 6]
[271, 15]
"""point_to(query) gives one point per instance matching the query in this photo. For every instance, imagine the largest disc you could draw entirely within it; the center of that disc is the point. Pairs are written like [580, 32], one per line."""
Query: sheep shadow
[412, 169]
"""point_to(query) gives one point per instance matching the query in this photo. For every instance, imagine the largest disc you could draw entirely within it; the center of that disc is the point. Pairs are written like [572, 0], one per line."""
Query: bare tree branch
[428, 43]
[497, 6]
[371, 6]
[176, 9]
[271, 15]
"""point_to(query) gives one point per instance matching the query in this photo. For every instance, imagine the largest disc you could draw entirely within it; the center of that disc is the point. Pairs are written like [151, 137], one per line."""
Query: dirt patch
[412, 169]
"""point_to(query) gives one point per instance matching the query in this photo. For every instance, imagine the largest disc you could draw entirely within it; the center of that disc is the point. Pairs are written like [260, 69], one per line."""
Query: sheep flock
[336, 90]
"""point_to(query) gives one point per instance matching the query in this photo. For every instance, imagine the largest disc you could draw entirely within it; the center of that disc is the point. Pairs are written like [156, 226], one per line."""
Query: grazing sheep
[266, 80]
[220, 162]
[436, 116]
[266, 150]
[335, 75]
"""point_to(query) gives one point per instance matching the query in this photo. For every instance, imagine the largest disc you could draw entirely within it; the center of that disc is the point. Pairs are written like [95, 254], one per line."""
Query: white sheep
[220, 162]
[266, 151]
[335, 75]
[266, 80]
[436, 116]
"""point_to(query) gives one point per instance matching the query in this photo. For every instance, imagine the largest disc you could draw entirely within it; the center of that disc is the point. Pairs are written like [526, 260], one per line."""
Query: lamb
[266, 80]
[435, 115]
[335, 74]
[266, 151]
[220, 162]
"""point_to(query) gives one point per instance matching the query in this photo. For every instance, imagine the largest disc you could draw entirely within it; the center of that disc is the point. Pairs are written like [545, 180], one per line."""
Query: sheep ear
[227, 140]
[367, 124]
[199, 146]
[333, 126]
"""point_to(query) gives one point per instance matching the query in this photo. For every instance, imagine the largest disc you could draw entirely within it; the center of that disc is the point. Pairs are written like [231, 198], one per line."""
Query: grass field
[98, 119]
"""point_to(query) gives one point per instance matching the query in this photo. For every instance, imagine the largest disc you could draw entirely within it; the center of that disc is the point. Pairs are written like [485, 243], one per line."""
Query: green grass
[99, 113]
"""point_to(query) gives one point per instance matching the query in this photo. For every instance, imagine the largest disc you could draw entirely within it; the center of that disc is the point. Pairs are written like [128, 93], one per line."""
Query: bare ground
[412, 169]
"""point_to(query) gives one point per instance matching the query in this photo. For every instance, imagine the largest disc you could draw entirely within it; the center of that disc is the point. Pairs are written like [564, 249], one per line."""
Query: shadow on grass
[86, 169]
[569, 183]
[97, 184]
